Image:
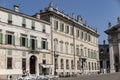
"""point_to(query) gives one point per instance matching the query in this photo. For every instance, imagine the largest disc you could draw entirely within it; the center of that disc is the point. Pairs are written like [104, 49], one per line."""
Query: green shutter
[6, 39]
[23, 21]
[46, 45]
[13, 40]
[33, 23]
[10, 17]
[23, 53]
[10, 52]
[26, 42]
[20, 41]
[36, 45]
[1, 37]
[44, 55]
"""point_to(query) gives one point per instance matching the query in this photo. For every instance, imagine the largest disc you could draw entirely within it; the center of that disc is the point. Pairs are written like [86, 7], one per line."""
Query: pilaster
[112, 62]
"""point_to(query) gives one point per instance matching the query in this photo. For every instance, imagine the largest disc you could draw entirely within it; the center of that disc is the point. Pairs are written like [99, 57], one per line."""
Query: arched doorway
[33, 65]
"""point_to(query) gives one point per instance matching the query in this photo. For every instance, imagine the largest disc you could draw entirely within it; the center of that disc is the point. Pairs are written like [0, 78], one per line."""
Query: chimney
[118, 20]
[16, 8]
[38, 16]
[79, 19]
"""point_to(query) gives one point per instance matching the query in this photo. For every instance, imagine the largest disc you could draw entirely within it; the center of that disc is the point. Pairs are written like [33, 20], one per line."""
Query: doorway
[33, 65]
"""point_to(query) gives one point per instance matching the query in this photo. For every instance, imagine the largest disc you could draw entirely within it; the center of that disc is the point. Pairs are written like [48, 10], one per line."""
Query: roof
[55, 12]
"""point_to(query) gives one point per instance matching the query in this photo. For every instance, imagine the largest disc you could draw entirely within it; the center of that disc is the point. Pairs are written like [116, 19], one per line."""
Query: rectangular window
[72, 65]
[44, 44]
[85, 36]
[71, 31]
[9, 63]
[82, 35]
[10, 39]
[23, 41]
[67, 29]
[62, 64]
[44, 29]
[61, 47]
[23, 63]
[55, 24]
[33, 25]
[77, 51]
[10, 18]
[1, 38]
[67, 64]
[33, 44]
[56, 63]
[23, 22]
[89, 38]
[77, 33]
[78, 65]
[44, 61]
[61, 27]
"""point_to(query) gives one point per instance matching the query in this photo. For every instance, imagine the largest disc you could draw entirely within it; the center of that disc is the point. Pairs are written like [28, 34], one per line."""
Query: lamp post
[55, 59]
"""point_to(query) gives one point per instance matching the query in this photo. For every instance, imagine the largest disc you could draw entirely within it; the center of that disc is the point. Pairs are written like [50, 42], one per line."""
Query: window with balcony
[44, 44]
[23, 41]
[33, 44]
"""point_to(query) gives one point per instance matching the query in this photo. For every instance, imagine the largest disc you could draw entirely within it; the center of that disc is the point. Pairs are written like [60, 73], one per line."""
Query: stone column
[112, 62]
[119, 52]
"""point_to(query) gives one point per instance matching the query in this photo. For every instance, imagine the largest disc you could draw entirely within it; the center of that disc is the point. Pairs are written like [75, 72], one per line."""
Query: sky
[96, 13]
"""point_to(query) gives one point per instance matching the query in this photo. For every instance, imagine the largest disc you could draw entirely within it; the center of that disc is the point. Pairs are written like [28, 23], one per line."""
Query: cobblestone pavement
[113, 76]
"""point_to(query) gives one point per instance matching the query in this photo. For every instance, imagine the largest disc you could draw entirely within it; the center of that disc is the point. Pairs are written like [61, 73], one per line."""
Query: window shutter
[36, 45]
[6, 39]
[26, 42]
[46, 45]
[1, 37]
[23, 21]
[10, 17]
[13, 40]
[20, 41]
[30, 44]
[33, 23]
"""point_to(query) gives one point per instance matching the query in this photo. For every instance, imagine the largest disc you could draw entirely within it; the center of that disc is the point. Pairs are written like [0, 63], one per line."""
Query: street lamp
[55, 59]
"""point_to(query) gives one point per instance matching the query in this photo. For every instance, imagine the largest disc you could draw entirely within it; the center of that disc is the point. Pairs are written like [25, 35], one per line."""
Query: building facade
[114, 45]
[104, 58]
[74, 44]
[25, 44]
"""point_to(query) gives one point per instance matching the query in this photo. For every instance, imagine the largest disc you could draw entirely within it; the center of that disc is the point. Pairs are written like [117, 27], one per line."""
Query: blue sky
[97, 13]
